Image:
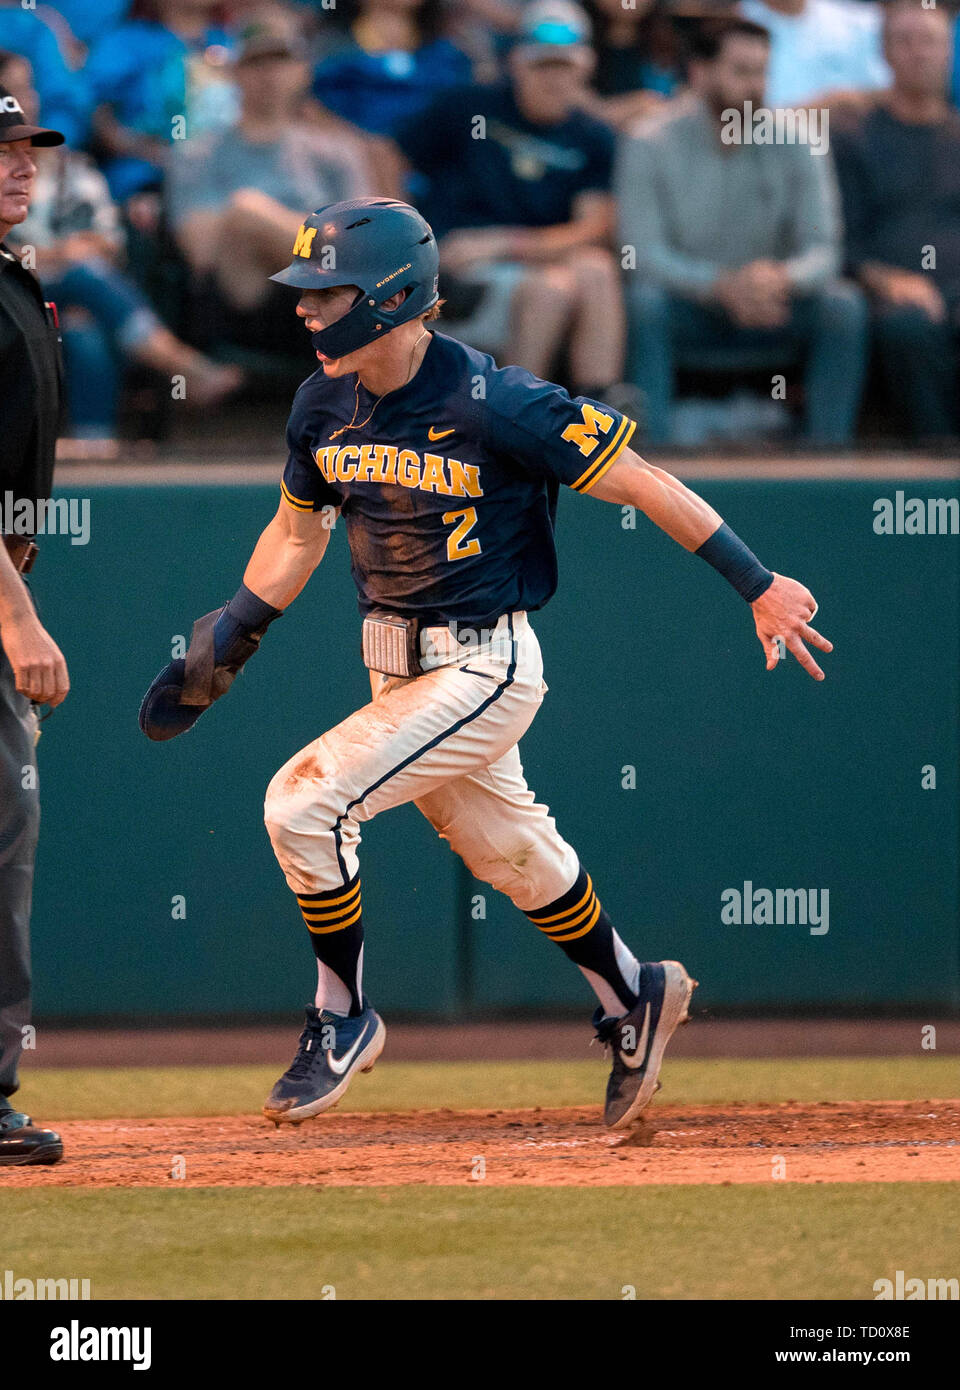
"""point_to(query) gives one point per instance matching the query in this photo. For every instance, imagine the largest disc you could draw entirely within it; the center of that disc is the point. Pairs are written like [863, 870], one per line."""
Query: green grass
[773, 1242]
[65, 1094]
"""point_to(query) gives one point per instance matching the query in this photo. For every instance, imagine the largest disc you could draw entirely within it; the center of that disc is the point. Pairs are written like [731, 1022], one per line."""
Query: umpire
[32, 668]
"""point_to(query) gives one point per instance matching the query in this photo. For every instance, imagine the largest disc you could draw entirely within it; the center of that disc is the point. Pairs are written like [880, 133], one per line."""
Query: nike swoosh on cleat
[339, 1065]
[433, 434]
[641, 1049]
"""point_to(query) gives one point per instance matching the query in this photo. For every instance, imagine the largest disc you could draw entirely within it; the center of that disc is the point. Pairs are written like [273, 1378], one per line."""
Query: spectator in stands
[88, 20]
[391, 60]
[74, 234]
[484, 30]
[167, 62]
[519, 196]
[639, 58]
[899, 168]
[64, 97]
[236, 199]
[820, 47]
[736, 246]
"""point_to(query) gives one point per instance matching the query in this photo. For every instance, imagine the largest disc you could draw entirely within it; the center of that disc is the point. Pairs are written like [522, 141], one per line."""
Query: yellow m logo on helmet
[583, 433]
[304, 241]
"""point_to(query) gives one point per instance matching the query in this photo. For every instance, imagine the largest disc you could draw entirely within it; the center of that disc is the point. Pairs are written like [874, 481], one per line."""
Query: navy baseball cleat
[638, 1039]
[332, 1048]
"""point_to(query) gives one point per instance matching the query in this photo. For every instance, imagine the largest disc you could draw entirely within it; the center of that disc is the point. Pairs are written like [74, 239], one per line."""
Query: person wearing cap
[32, 668]
[37, 34]
[518, 189]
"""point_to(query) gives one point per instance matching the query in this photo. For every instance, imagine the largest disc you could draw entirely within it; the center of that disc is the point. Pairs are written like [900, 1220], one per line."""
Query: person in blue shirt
[65, 100]
[640, 59]
[446, 470]
[90, 19]
[391, 62]
[166, 62]
[898, 165]
[517, 187]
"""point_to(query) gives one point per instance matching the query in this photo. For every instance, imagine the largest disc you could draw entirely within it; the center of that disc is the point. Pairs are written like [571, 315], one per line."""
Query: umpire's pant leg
[19, 826]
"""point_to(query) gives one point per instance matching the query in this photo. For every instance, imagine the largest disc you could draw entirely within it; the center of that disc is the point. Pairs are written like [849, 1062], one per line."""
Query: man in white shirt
[820, 46]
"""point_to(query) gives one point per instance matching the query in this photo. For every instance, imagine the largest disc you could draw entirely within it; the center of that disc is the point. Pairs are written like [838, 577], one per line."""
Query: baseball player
[446, 470]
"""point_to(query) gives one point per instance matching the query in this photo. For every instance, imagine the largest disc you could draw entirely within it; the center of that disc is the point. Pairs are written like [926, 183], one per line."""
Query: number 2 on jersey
[458, 547]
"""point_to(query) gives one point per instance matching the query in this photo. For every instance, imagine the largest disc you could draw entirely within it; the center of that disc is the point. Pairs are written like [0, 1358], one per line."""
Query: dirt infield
[895, 1141]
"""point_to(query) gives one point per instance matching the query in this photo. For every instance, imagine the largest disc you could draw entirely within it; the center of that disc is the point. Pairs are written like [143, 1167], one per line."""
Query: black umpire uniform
[30, 409]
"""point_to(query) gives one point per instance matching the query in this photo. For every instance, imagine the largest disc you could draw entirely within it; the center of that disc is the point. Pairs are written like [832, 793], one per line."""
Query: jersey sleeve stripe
[297, 503]
[607, 458]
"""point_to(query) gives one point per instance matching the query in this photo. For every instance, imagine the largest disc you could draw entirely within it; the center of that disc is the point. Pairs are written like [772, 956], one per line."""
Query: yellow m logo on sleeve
[583, 432]
[304, 241]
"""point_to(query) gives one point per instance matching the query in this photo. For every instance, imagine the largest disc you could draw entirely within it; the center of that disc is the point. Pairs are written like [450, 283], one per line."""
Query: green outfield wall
[678, 767]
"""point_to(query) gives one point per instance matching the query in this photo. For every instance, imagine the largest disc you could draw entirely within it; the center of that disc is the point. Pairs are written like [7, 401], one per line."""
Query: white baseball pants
[447, 741]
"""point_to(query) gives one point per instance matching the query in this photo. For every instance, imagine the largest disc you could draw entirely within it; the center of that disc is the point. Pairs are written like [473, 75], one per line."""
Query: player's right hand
[784, 610]
[39, 668]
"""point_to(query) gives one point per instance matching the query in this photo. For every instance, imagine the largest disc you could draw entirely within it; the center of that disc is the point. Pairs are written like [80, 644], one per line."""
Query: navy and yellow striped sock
[335, 922]
[581, 928]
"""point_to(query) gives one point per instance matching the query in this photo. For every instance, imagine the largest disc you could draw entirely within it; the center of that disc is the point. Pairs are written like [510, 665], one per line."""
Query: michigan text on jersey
[386, 463]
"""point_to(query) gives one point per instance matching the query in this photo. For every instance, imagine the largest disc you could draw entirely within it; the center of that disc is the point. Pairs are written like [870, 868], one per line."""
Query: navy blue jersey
[449, 491]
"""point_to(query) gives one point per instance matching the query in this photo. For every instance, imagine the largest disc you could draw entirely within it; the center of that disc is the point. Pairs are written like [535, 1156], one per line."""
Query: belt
[442, 646]
[22, 552]
[398, 646]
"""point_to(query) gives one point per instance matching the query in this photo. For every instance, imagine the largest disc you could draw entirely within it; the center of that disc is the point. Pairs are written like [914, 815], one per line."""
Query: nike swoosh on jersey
[637, 1059]
[433, 434]
[339, 1065]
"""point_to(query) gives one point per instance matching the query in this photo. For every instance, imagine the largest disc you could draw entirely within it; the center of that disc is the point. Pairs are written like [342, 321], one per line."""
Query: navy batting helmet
[381, 246]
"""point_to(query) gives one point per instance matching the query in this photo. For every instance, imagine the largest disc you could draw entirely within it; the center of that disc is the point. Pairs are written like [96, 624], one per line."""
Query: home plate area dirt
[829, 1142]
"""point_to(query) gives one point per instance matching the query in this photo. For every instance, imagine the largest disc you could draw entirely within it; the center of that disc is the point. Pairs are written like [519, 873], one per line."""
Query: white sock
[629, 968]
[332, 993]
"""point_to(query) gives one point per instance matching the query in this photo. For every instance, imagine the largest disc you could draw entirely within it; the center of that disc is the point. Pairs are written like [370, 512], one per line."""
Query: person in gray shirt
[236, 199]
[731, 245]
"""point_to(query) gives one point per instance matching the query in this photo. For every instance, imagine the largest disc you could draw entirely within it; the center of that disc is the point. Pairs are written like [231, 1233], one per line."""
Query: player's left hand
[784, 611]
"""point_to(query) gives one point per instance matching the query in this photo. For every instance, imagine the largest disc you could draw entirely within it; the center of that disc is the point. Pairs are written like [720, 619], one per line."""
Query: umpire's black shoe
[21, 1142]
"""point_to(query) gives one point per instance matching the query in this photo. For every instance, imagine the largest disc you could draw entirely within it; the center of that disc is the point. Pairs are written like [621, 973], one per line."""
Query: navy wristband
[726, 552]
[243, 615]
